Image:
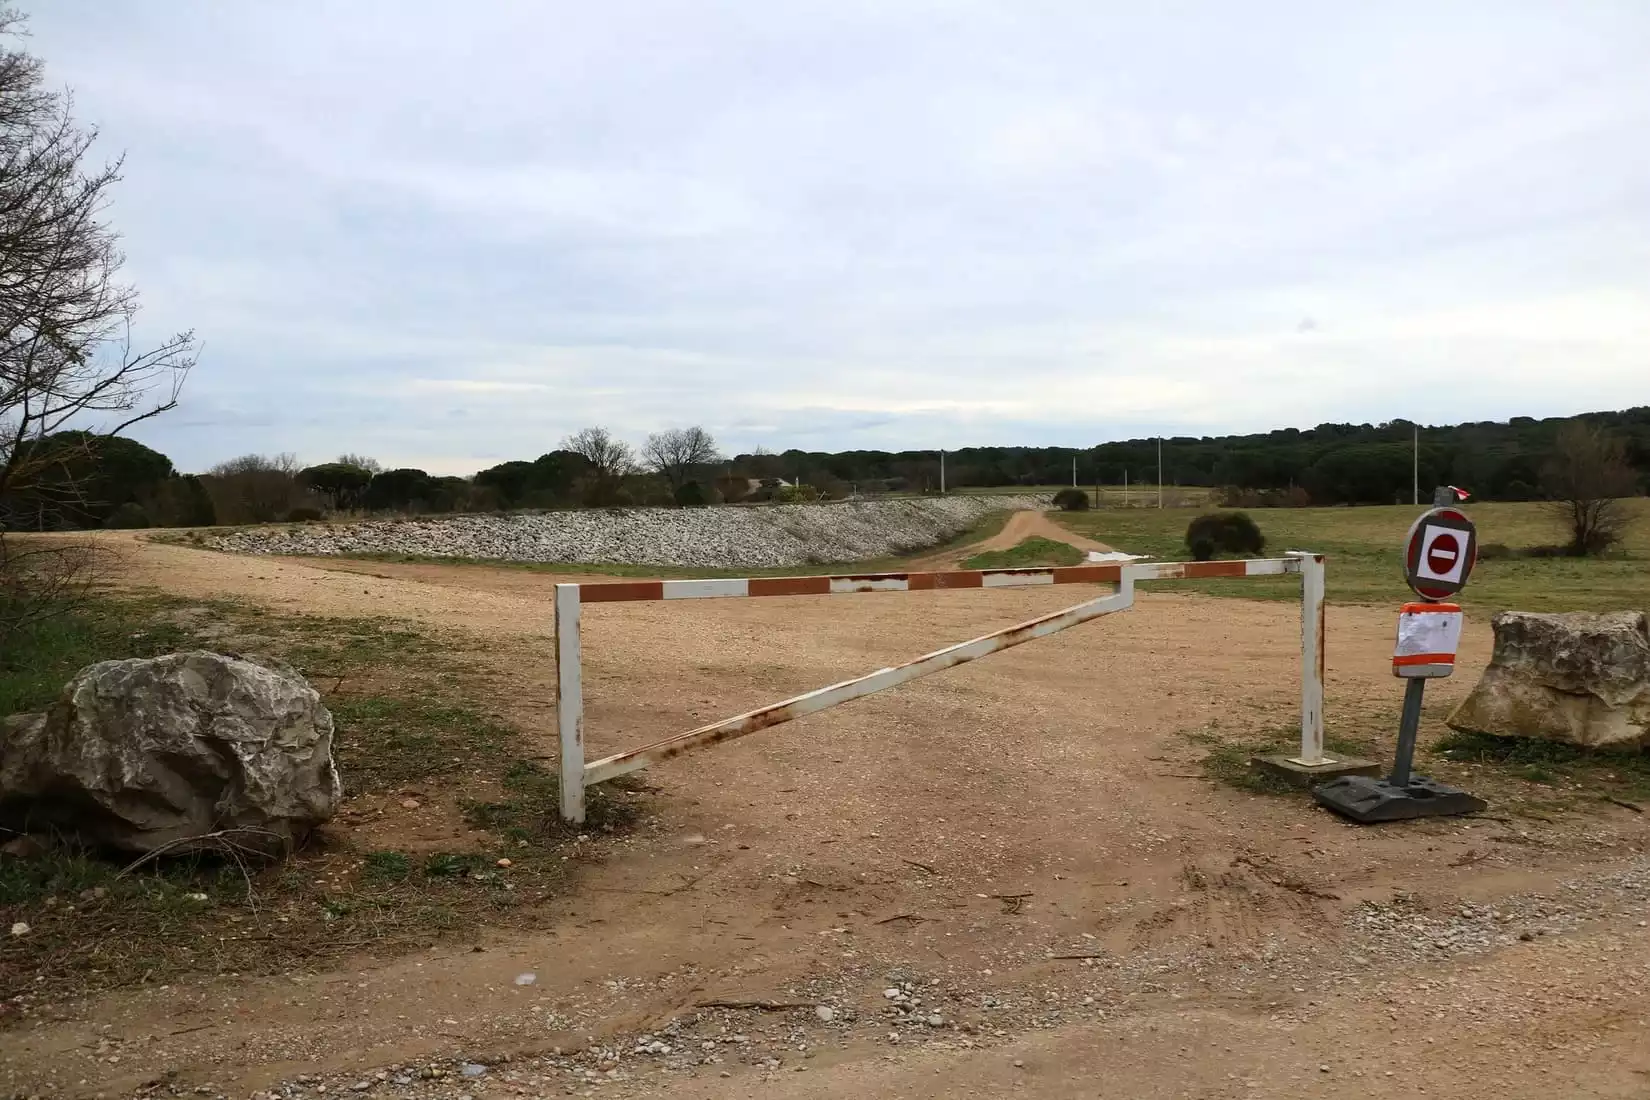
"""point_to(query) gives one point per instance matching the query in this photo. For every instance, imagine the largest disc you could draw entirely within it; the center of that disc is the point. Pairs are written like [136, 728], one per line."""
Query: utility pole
[1417, 466]
[1125, 486]
[1074, 469]
[942, 471]
[1160, 471]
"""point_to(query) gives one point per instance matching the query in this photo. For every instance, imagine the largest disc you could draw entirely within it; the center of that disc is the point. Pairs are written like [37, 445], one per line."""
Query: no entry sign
[1439, 556]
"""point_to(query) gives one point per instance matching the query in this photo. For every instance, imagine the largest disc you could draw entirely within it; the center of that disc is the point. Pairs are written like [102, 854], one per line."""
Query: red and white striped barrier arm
[634, 591]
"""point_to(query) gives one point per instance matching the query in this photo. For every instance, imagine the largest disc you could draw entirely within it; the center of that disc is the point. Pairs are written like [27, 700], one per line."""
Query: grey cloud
[868, 224]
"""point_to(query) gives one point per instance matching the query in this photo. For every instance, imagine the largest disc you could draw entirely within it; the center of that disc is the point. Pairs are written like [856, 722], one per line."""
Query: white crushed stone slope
[752, 537]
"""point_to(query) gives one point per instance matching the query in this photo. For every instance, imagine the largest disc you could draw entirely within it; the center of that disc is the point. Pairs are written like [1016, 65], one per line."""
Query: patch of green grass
[407, 707]
[39, 660]
[384, 741]
[1623, 773]
[1033, 552]
[452, 864]
[346, 644]
[1226, 761]
[387, 866]
[1364, 546]
[532, 807]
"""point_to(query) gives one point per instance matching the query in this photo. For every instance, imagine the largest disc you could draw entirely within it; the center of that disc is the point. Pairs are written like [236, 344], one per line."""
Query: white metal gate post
[570, 703]
[1312, 576]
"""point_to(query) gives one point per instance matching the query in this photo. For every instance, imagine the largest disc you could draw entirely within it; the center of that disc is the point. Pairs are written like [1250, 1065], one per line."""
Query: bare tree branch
[610, 459]
[676, 453]
[67, 357]
[1585, 479]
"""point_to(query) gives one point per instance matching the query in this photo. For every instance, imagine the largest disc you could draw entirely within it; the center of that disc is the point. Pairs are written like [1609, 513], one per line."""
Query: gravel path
[1019, 850]
[764, 537]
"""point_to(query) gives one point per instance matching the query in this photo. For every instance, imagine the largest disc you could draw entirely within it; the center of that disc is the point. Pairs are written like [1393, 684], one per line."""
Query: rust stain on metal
[1323, 639]
[1216, 569]
[951, 578]
[622, 591]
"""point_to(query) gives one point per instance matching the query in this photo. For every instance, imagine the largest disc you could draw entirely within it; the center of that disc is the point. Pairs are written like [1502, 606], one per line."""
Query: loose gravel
[743, 537]
[961, 1007]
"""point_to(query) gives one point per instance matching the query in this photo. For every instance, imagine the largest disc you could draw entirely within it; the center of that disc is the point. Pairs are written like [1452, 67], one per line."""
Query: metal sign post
[1438, 557]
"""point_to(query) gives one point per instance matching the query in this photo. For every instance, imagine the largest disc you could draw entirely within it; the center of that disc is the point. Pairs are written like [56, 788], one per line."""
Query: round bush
[1224, 533]
[1071, 500]
[305, 515]
[691, 494]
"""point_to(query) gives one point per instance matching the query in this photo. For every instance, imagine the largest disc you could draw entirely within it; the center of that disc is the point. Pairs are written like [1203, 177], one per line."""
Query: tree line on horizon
[119, 482]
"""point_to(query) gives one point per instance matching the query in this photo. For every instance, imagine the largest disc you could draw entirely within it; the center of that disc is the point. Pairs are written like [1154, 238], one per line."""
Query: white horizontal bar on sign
[1016, 580]
[706, 590]
[1271, 567]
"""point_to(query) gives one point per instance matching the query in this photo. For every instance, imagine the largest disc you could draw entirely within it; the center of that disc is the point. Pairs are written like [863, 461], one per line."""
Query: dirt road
[1019, 844]
[1021, 525]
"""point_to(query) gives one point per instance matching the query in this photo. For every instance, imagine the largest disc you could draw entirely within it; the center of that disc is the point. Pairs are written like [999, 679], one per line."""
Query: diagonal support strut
[823, 698]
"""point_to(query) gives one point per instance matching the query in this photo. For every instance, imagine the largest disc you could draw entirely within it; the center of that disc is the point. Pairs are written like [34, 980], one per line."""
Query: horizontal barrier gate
[576, 775]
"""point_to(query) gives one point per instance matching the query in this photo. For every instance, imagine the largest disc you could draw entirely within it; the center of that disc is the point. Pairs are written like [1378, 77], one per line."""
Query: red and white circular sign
[1440, 553]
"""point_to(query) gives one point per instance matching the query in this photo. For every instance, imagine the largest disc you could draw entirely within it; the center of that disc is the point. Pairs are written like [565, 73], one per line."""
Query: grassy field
[414, 720]
[1364, 546]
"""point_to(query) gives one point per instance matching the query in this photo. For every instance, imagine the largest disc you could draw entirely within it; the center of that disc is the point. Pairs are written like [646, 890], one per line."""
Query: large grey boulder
[140, 754]
[1584, 679]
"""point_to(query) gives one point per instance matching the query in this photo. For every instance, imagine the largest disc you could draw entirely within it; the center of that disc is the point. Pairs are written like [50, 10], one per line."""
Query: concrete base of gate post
[1280, 766]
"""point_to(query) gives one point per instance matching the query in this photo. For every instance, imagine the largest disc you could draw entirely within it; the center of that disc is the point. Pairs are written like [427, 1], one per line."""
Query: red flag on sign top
[1460, 493]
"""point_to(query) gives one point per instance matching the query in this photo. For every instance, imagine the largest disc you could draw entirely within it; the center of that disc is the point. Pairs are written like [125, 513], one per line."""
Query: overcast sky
[448, 234]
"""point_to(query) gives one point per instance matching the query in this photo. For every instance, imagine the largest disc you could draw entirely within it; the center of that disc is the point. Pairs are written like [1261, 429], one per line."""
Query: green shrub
[691, 494]
[1495, 551]
[305, 515]
[796, 494]
[1224, 533]
[1072, 500]
[128, 516]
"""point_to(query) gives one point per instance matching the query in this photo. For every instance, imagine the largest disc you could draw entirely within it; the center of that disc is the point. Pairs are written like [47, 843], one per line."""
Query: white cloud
[455, 237]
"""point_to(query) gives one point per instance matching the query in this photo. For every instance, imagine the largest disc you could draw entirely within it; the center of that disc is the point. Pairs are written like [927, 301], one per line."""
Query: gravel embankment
[780, 535]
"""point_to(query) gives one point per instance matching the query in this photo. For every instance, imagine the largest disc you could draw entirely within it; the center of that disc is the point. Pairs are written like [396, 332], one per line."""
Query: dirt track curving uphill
[1021, 525]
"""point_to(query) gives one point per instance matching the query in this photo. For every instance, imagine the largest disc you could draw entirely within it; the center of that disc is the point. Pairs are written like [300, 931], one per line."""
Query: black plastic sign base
[1366, 800]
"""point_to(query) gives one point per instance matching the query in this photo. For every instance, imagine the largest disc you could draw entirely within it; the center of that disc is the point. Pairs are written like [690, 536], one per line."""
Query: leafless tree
[610, 459]
[1585, 479]
[361, 462]
[67, 358]
[256, 488]
[606, 454]
[676, 453]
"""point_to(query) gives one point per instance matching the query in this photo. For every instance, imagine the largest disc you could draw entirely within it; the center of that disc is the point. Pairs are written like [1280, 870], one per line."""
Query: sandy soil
[875, 841]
